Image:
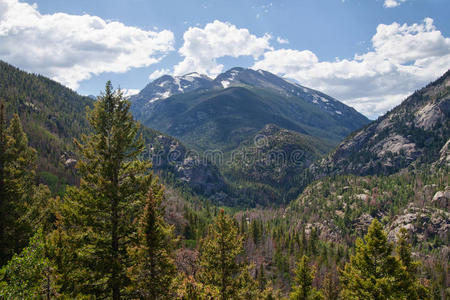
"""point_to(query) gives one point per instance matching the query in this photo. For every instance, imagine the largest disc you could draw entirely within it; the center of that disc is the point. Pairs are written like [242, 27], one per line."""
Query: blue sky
[369, 54]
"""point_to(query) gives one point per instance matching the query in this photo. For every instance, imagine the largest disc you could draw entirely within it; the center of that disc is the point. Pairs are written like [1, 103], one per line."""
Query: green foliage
[410, 284]
[304, 276]
[17, 165]
[100, 215]
[190, 289]
[219, 260]
[28, 275]
[153, 269]
[52, 115]
[374, 273]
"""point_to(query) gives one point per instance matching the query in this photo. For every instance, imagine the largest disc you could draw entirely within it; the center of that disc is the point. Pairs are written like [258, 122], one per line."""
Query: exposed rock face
[423, 223]
[444, 155]
[416, 130]
[203, 177]
[442, 199]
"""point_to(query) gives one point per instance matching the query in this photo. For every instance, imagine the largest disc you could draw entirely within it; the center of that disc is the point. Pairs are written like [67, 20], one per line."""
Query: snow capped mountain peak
[167, 86]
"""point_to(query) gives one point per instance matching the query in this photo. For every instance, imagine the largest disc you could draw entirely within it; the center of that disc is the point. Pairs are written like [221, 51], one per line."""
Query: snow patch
[188, 78]
[323, 99]
[162, 84]
[177, 82]
[194, 75]
[225, 83]
[338, 112]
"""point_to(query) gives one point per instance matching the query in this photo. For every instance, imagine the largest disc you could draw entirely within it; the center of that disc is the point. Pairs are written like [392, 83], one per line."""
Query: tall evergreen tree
[100, 214]
[3, 250]
[153, 268]
[409, 283]
[304, 276]
[219, 257]
[373, 272]
[17, 178]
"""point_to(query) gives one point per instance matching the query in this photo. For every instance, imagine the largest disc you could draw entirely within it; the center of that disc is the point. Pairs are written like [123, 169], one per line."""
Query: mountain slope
[167, 86]
[414, 131]
[267, 167]
[238, 103]
[53, 115]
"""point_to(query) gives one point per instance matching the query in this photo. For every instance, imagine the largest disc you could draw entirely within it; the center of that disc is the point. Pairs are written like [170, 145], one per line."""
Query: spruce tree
[409, 283]
[304, 276]
[153, 268]
[17, 177]
[373, 272]
[100, 215]
[219, 257]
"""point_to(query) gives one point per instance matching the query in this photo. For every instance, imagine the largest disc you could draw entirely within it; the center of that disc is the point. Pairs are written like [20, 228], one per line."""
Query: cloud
[159, 73]
[282, 41]
[72, 48]
[203, 46]
[392, 3]
[403, 58]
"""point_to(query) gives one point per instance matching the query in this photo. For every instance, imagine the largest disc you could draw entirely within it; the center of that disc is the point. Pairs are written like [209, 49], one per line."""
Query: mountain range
[259, 116]
[220, 113]
[229, 113]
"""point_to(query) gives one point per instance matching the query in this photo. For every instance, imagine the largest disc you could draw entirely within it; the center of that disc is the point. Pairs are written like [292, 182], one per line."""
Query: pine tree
[17, 177]
[219, 257]
[190, 289]
[373, 272]
[330, 289]
[100, 215]
[304, 276]
[410, 285]
[262, 280]
[153, 268]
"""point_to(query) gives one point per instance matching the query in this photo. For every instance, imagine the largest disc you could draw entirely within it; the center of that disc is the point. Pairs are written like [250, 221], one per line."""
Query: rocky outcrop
[199, 174]
[425, 224]
[442, 199]
[444, 155]
[414, 131]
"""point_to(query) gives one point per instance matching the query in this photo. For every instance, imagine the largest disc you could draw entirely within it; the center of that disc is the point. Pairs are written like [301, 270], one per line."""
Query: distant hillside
[53, 115]
[266, 168]
[413, 132]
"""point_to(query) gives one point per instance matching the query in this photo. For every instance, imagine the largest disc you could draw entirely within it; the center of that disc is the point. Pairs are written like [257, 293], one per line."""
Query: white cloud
[392, 3]
[282, 41]
[130, 92]
[203, 46]
[72, 48]
[159, 73]
[403, 58]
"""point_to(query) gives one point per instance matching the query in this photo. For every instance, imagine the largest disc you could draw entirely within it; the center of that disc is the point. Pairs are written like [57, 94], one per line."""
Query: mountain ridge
[311, 111]
[413, 132]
